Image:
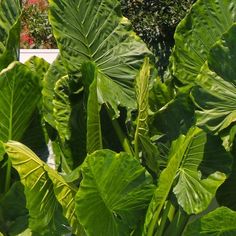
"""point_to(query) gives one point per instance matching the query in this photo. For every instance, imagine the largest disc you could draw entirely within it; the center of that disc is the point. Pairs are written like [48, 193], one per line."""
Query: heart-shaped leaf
[113, 195]
[45, 190]
[95, 31]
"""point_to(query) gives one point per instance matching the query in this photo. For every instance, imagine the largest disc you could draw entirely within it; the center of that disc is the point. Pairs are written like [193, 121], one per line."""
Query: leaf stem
[8, 176]
[178, 224]
[121, 136]
[164, 218]
[136, 146]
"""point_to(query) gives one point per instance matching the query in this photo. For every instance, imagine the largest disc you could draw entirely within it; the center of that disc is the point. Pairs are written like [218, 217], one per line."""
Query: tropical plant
[133, 155]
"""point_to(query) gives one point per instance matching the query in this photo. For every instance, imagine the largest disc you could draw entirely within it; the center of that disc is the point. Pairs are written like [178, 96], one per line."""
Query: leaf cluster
[132, 155]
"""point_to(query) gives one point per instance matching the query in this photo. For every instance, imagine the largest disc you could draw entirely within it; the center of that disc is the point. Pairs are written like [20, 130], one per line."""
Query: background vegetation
[154, 21]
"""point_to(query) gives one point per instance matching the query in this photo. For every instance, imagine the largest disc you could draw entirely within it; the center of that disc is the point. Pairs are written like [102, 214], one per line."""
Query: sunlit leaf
[197, 166]
[220, 222]
[95, 31]
[20, 92]
[46, 192]
[113, 195]
[196, 35]
[215, 96]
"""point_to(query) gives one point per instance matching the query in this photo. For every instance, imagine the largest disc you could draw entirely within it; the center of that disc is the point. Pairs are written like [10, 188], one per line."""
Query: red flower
[32, 1]
[25, 38]
[42, 4]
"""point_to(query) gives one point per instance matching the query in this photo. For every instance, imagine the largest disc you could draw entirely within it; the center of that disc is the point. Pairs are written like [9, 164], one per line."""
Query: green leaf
[226, 194]
[220, 222]
[160, 94]
[204, 168]
[19, 95]
[14, 217]
[27, 232]
[142, 142]
[55, 72]
[62, 107]
[35, 135]
[216, 94]
[95, 31]
[70, 119]
[38, 65]
[2, 151]
[10, 12]
[113, 194]
[197, 166]
[94, 134]
[45, 190]
[142, 90]
[196, 35]
[150, 154]
[181, 108]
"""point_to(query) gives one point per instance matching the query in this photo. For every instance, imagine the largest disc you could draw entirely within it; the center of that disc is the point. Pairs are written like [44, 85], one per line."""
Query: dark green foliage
[155, 22]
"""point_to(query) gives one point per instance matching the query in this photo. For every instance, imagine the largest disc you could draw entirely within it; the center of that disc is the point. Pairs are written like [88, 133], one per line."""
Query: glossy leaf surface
[95, 31]
[94, 133]
[196, 35]
[220, 222]
[197, 167]
[216, 94]
[45, 190]
[20, 92]
[113, 194]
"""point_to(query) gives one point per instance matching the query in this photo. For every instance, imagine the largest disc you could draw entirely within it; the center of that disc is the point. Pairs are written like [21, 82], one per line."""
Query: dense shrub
[155, 22]
[36, 31]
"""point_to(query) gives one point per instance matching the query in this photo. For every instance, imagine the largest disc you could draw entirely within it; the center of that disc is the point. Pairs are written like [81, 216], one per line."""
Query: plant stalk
[178, 224]
[136, 146]
[8, 176]
[121, 136]
[164, 218]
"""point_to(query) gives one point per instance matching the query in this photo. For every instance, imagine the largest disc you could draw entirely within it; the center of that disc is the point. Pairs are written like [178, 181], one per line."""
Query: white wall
[47, 54]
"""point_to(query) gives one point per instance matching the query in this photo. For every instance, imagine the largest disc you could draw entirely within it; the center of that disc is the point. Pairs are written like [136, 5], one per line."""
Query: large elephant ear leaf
[10, 12]
[196, 35]
[113, 195]
[220, 222]
[46, 192]
[205, 166]
[197, 166]
[216, 94]
[20, 92]
[95, 31]
[35, 135]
